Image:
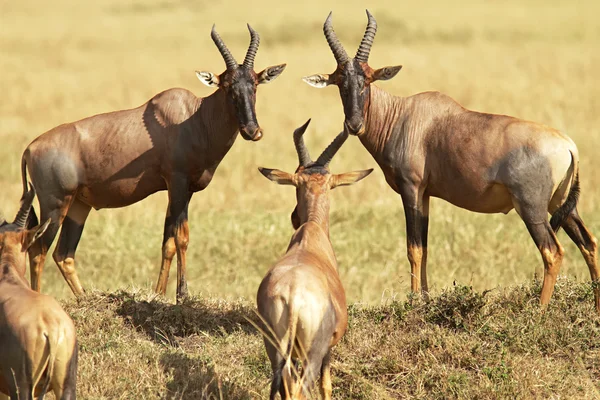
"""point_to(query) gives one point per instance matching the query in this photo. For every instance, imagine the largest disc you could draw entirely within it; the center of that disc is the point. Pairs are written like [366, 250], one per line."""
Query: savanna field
[481, 336]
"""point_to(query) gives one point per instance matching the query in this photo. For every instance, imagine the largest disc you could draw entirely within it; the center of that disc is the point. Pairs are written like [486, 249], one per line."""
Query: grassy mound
[460, 344]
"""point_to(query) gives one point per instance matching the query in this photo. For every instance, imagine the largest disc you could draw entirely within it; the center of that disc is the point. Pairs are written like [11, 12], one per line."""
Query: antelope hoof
[182, 292]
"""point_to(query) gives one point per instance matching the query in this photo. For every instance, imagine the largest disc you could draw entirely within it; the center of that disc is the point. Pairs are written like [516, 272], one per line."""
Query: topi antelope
[38, 345]
[173, 142]
[428, 145]
[302, 300]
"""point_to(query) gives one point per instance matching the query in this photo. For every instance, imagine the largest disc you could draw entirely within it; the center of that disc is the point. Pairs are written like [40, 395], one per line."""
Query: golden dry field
[61, 61]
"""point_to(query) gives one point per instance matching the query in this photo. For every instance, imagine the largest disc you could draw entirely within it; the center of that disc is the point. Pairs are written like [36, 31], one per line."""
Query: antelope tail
[49, 367]
[24, 173]
[288, 378]
[32, 219]
[559, 216]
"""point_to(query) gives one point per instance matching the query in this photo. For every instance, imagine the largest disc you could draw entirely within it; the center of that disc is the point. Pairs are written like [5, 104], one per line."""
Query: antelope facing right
[38, 343]
[428, 145]
[301, 300]
[174, 142]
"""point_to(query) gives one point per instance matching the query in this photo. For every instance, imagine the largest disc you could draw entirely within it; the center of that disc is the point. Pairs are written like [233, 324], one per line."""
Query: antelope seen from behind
[174, 142]
[428, 145]
[301, 300]
[38, 344]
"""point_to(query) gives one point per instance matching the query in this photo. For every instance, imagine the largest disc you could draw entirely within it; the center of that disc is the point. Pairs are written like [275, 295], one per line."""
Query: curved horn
[334, 44]
[229, 60]
[330, 151]
[364, 49]
[252, 49]
[303, 156]
[26, 202]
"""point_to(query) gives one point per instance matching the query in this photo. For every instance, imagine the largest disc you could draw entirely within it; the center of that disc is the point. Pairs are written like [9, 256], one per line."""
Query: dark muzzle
[354, 126]
[251, 132]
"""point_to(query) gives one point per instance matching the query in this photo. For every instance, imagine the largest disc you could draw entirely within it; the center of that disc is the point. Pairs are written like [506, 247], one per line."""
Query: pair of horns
[23, 214]
[228, 57]
[364, 49]
[325, 157]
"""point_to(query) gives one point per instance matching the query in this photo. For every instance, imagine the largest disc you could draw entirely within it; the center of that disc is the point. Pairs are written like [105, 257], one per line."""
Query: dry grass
[62, 61]
[65, 60]
[462, 344]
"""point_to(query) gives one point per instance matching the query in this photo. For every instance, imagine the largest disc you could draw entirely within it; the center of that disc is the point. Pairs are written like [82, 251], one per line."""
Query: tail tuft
[32, 219]
[559, 216]
[49, 367]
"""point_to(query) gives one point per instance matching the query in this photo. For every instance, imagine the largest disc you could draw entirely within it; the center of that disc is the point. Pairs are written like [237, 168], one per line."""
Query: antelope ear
[208, 78]
[277, 176]
[318, 80]
[349, 178]
[33, 234]
[385, 73]
[270, 74]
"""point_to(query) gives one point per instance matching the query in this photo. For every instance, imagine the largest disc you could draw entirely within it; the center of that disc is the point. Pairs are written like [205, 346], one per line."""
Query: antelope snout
[354, 126]
[251, 133]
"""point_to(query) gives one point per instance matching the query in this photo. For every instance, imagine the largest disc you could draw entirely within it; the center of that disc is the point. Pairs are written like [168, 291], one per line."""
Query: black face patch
[352, 83]
[240, 86]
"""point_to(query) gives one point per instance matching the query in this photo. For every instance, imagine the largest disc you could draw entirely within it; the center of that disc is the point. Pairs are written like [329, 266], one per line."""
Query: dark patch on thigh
[70, 383]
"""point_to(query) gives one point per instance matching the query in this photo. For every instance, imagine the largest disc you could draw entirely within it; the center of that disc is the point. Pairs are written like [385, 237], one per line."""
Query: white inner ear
[318, 81]
[208, 78]
[270, 74]
[387, 73]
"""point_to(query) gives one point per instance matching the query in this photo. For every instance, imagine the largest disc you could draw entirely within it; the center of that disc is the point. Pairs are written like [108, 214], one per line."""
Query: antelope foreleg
[182, 237]
[168, 252]
[417, 222]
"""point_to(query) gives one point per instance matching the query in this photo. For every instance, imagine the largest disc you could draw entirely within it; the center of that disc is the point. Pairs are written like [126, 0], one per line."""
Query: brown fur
[301, 300]
[428, 145]
[173, 142]
[38, 344]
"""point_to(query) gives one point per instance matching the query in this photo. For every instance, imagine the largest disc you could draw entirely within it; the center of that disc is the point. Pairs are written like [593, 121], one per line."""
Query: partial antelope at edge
[428, 145]
[301, 300]
[38, 343]
[173, 142]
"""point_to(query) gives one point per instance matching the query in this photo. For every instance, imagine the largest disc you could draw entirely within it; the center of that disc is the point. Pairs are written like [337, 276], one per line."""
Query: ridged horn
[364, 49]
[252, 49]
[26, 202]
[303, 156]
[229, 60]
[334, 44]
[325, 157]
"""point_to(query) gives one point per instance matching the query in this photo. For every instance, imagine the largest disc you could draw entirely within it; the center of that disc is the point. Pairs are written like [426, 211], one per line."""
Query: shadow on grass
[192, 378]
[164, 322]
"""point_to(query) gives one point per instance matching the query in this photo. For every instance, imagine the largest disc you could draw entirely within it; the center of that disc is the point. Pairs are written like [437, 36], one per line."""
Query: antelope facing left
[173, 142]
[428, 145]
[301, 300]
[38, 344]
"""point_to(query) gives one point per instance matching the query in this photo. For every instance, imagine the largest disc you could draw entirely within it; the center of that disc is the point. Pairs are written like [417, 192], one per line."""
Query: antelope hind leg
[552, 253]
[64, 254]
[588, 246]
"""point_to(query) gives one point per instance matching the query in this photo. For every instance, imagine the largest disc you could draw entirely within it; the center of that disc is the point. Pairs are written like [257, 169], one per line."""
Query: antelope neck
[317, 211]
[382, 115]
[216, 116]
